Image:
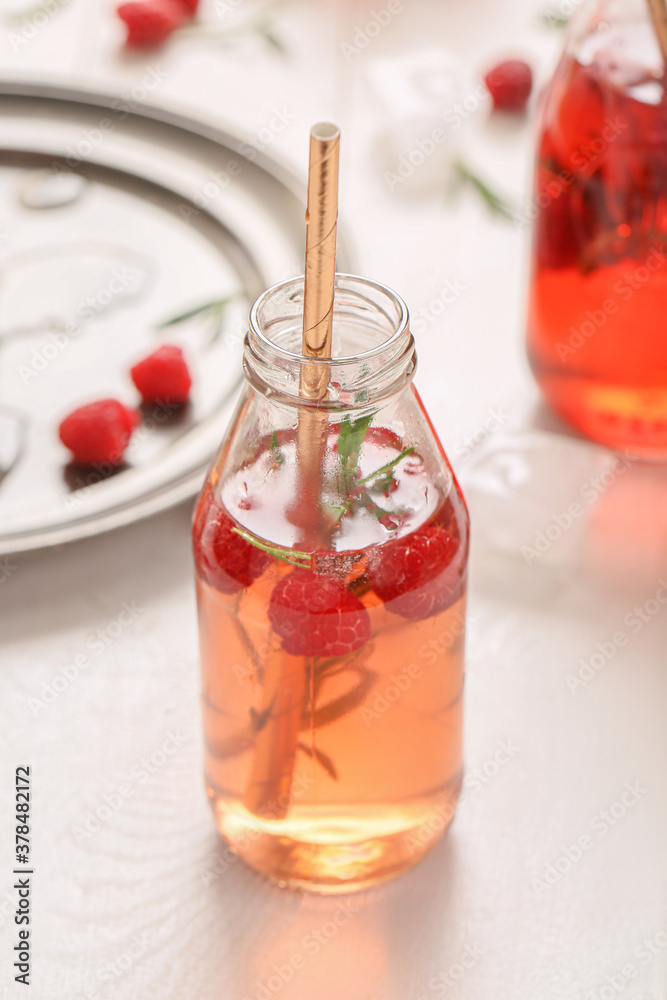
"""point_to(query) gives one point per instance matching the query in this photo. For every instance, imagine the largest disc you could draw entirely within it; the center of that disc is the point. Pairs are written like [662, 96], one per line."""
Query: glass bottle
[331, 544]
[598, 293]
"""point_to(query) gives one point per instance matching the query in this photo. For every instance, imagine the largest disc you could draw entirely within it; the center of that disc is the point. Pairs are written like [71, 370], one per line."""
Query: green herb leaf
[387, 468]
[322, 758]
[495, 203]
[350, 440]
[555, 19]
[268, 33]
[29, 11]
[292, 556]
[213, 306]
[380, 513]
[335, 511]
[261, 27]
[260, 719]
[276, 451]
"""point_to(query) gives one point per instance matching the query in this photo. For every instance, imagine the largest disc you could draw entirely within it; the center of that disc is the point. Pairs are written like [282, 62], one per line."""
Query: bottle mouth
[373, 349]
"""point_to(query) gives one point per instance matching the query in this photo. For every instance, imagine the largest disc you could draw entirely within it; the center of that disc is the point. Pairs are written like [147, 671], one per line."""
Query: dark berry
[418, 575]
[316, 615]
[224, 559]
[98, 433]
[510, 84]
[150, 22]
[163, 377]
[557, 239]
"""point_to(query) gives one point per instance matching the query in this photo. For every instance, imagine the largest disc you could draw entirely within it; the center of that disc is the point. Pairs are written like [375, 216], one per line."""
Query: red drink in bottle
[598, 292]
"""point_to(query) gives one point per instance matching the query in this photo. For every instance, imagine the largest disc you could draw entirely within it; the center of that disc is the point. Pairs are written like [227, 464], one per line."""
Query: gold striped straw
[269, 786]
[320, 270]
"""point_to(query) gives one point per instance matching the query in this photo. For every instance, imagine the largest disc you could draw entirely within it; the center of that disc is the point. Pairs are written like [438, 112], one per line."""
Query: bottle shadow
[383, 943]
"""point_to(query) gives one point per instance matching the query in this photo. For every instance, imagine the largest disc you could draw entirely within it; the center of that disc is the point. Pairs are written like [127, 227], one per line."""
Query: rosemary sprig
[388, 467]
[359, 492]
[259, 719]
[292, 556]
[496, 204]
[322, 758]
[350, 439]
[334, 511]
[263, 27]
[555, 19]
[276, 451]
[214, 309]
[20, 13]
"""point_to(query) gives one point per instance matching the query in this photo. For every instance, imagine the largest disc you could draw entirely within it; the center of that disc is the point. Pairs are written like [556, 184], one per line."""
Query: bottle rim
[366, 375]
[402, 326]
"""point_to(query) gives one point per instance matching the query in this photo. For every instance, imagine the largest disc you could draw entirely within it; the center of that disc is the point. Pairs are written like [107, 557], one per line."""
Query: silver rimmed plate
[111, 223]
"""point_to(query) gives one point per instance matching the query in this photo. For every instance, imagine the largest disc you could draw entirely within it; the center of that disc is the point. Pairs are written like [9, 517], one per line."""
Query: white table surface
[140, 908]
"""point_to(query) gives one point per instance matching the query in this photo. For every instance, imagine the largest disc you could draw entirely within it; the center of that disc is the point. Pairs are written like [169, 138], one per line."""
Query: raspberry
[384, 437]
[191, 5]
[99, 432]
[316, 615]
[418, 575]
[510, 84]
[163, 376]
[150, 22]
[223, 558]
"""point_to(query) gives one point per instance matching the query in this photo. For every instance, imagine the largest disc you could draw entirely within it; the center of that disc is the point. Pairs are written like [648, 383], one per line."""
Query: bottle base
[336, 851]
[619, 417]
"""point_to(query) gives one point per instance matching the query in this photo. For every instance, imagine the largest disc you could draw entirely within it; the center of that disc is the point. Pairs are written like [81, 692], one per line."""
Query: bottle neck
[374, 351]
[617, 37]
